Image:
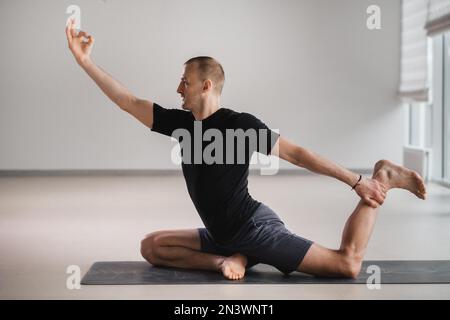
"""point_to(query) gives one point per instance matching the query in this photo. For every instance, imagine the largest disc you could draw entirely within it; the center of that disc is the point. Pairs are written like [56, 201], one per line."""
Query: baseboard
[138, 173]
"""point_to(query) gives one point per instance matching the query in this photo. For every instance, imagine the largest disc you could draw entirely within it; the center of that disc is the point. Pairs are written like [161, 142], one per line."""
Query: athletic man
[240, 231]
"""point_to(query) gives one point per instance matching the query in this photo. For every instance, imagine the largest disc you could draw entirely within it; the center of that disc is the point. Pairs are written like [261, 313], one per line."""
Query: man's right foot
[395, 176]
[233, 267]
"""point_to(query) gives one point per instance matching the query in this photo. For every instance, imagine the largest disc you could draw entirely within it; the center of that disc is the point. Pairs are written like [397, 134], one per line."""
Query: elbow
[125, 103]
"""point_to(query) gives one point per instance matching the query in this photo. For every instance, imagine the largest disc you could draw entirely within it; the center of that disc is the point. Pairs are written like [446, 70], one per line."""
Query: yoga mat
[141, 272]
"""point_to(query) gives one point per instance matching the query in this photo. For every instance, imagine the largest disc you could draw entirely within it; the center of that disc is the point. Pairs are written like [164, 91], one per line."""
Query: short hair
[209, 68]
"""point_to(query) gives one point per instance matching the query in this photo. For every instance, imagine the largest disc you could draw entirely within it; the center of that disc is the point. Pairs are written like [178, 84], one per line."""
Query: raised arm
[368, 189]
[80, 44]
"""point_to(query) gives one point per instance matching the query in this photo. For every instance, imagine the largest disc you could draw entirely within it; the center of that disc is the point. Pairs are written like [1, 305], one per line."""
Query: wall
[309, 68]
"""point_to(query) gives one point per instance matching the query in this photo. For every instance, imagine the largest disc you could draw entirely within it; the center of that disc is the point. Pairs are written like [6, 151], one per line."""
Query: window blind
[414, 51]
[438, 17]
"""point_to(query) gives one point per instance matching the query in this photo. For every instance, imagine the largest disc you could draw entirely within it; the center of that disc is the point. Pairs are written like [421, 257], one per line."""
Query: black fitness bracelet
[360, 177]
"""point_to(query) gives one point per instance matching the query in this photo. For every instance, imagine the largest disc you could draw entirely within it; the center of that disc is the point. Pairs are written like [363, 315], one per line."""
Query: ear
[207, 84]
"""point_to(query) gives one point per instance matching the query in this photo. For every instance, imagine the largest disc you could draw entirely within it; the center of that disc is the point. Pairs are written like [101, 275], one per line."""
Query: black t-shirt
[218, 189]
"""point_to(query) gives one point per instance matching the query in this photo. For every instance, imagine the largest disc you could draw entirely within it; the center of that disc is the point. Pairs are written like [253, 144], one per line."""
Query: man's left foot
[395, 176]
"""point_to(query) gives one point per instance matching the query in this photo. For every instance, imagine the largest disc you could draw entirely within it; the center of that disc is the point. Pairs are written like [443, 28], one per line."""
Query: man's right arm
[141, 109]
[119, 94]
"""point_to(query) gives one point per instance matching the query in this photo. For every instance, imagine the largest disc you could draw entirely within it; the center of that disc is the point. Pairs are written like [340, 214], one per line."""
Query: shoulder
[248, 120]
[240, 116]
[157, 108]
[166, 120]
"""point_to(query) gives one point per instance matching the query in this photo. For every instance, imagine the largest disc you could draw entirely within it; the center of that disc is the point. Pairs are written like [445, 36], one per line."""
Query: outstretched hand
[372, 192]
[80, 44]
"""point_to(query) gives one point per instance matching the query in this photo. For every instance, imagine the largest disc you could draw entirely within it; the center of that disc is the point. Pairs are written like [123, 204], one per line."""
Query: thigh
[274, 244]
[209, 245]
[270, 242]
[188, 238]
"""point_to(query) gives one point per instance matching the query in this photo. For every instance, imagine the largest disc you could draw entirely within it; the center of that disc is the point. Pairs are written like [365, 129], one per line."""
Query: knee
[351, 264]
[150, 247]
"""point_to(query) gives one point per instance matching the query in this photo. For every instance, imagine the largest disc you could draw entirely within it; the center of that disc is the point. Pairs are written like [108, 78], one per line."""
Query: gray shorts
[264, 239]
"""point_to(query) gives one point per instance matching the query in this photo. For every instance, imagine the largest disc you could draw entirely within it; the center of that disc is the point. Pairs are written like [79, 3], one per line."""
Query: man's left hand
[372, 192]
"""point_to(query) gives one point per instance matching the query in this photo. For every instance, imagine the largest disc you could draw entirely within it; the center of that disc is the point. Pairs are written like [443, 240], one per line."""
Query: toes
[419, 181]
[423, 189]
[421, 195]
[235, 276]
[420, 184]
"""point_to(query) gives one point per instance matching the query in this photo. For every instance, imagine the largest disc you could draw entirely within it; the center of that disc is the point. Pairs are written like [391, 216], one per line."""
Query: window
[418, 114]
[446, 107]
[428, 124]
[425, 83]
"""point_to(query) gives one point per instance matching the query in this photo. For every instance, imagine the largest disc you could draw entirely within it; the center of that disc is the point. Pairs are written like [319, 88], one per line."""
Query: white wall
[310, 68]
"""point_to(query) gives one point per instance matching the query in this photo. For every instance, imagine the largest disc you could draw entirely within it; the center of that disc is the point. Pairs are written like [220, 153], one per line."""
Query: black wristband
[360, 177]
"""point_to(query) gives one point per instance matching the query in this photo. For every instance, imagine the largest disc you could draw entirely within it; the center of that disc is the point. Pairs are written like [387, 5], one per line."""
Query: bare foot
[233, 267]
[395, 176]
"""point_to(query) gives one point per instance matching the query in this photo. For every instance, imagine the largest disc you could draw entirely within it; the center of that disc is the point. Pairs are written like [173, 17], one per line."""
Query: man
[240, 231]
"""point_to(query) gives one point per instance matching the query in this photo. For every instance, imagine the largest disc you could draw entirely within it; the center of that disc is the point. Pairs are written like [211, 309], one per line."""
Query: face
[190, 88]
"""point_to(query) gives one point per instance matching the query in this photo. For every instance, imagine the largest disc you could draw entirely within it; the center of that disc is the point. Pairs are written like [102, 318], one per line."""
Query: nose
[180, 88]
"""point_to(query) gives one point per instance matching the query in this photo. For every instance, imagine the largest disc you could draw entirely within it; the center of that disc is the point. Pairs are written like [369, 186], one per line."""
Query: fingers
[381, 193]
[376, 199]
[371, 203]
[83, 34]
[73, 31]
[68, 35]
[69, 28]
[381, 196]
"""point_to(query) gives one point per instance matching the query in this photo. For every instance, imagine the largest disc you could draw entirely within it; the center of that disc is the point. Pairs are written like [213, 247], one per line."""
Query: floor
[50, 223]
